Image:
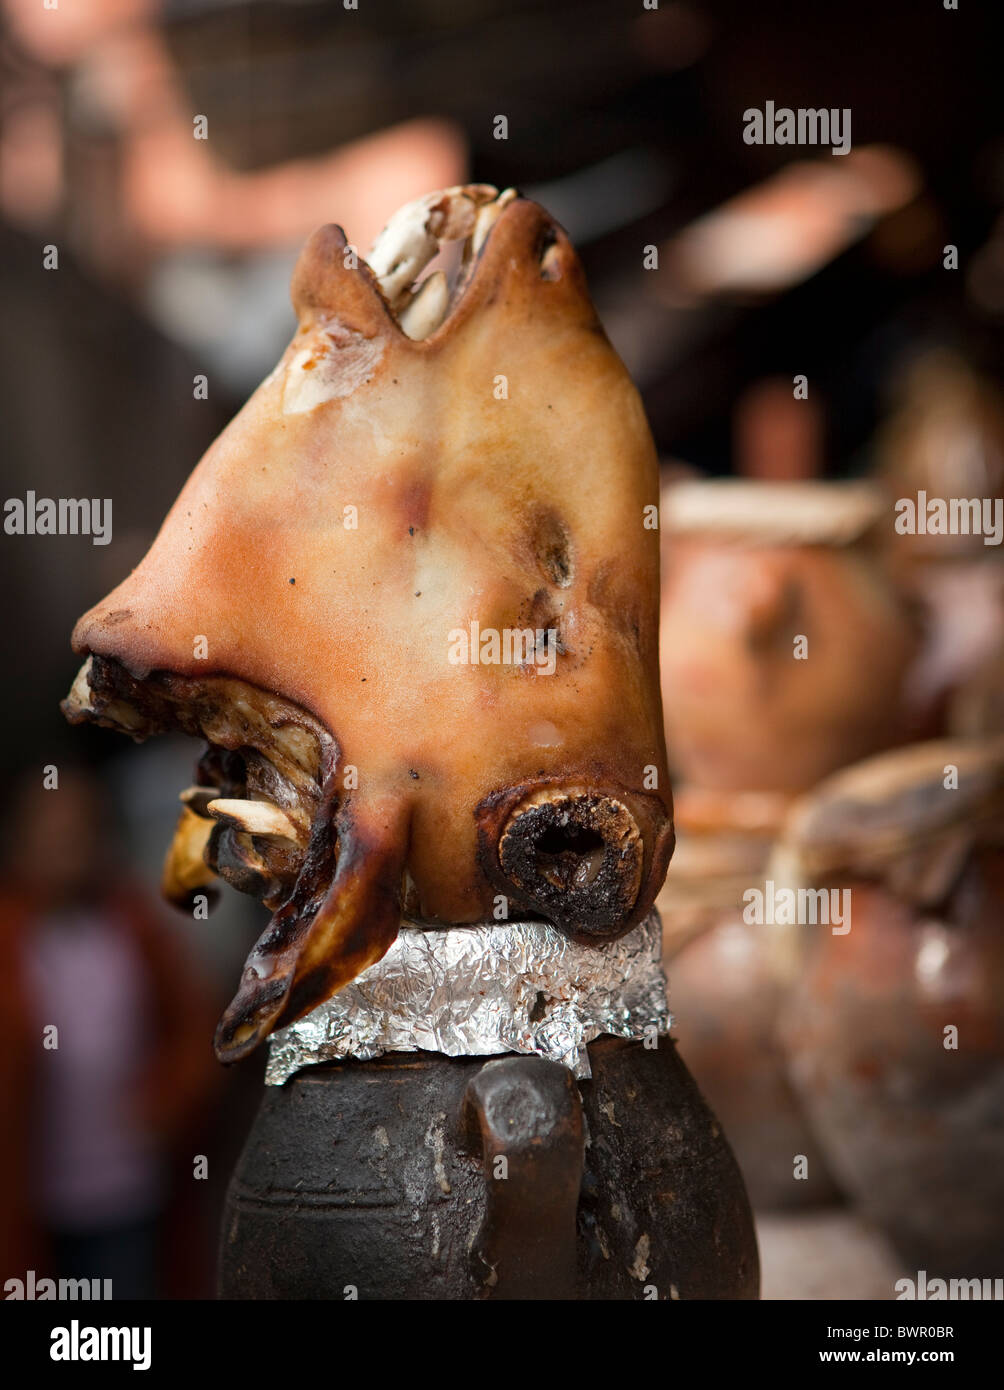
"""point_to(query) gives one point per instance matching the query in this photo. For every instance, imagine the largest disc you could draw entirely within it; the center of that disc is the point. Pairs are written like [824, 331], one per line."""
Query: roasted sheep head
[410, 600]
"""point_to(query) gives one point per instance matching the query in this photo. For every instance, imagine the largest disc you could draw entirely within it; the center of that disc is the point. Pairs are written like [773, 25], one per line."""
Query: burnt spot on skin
[347, 922]
[413, 503]
[246, 1024]
[539, 611]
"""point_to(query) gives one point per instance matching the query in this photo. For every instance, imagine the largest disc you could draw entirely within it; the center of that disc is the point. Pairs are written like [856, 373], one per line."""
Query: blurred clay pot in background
[976, 709]
[945, 441]
[945, 438]
[748, 568]
[909, 1111]
[726, 993]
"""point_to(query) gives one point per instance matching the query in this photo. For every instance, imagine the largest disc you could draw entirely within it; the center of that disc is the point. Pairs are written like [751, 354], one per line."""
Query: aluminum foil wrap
[480, 990]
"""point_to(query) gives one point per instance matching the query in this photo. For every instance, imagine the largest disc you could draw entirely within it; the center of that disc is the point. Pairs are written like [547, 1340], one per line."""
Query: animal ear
[332, 277]
[526, 259]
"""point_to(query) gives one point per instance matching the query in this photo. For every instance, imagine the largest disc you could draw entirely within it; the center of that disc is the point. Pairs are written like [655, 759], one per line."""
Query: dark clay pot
[913, 1131]
[383, 1179]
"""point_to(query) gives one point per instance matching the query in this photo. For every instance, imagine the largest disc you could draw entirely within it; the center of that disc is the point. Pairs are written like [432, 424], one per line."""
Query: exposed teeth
[255, 818]
[185, 868]
[79, 705]
[197, 799]
[486, 219]
[411, 238]
[252, 825]
[241, 850]
[425, 312]
[78, 701]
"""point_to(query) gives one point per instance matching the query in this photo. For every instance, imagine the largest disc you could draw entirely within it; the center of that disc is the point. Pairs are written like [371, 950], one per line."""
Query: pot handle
[528, 1116]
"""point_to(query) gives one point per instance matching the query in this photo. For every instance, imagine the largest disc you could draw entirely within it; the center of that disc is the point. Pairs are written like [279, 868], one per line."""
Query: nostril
[570, 856]
[577, 857]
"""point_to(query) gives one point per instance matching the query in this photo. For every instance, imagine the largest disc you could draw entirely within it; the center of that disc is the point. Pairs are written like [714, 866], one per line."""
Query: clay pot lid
[721, 835]
[890, 804]
[771, 513]
[710, 811]
[723, 844]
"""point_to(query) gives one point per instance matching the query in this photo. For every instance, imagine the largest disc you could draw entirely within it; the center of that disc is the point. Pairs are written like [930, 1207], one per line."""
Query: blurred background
[878, 276]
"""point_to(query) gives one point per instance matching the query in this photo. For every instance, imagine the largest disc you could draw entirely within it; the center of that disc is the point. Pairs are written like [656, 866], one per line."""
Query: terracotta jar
[749, 568]
[725, 993]
[894, 1030]
[784, 649]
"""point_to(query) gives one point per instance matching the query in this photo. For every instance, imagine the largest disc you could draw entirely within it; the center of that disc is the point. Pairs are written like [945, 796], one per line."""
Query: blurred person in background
[171, 297]
[98, 147]
[104, 1064]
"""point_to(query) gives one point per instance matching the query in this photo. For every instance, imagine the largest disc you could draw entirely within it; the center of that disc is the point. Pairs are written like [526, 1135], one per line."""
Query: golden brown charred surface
[311, 949]
[375, 498]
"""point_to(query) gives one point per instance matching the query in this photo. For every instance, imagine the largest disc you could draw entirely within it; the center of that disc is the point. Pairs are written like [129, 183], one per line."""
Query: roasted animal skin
[416, 464]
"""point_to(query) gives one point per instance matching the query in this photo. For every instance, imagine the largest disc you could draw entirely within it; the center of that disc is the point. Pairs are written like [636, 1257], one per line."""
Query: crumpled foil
[480, 990]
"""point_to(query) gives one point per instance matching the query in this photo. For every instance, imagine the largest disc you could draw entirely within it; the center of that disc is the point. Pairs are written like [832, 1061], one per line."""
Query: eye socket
[549, 254]
[553, 548]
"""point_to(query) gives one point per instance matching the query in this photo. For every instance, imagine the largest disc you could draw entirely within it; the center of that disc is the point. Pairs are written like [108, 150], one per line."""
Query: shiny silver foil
[481, 990]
